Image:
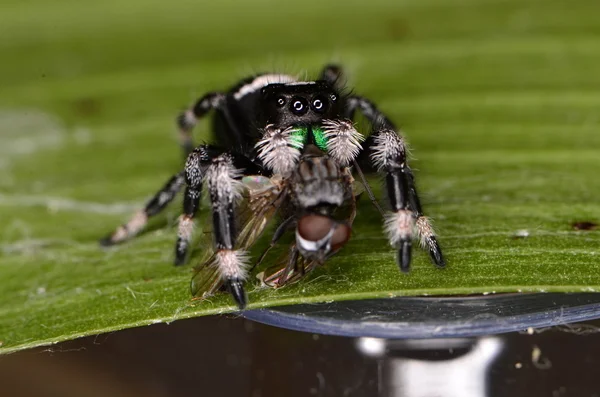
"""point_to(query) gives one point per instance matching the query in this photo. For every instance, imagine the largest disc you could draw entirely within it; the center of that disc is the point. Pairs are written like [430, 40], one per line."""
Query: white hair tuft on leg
[388, 146]
[224, 178]
[399, 226]
[232, 264]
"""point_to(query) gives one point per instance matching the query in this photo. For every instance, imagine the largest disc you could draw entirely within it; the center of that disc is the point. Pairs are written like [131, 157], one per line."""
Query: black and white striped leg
[204, 164]
[188, 119]
[370, 111]
[384, 146]
[225, 188]
[388, 154]
[194, 172]
[154, 206]
[425, 231]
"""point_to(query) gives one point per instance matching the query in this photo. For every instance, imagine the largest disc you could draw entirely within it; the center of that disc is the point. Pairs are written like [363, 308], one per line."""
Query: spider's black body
[267, 125]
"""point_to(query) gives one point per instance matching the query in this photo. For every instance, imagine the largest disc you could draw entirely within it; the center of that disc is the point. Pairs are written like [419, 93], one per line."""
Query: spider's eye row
[299, 106]
[280, 101]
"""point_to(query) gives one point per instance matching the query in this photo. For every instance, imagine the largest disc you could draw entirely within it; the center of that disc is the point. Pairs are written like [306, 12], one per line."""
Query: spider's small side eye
[333, 97]
[299, 106]
[280, 101]
[319, 104]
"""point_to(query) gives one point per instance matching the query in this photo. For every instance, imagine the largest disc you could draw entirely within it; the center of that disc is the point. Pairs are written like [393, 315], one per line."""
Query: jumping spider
[286, 144]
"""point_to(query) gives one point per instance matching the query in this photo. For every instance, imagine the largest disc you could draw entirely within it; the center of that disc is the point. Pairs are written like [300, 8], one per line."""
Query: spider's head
[299, 104]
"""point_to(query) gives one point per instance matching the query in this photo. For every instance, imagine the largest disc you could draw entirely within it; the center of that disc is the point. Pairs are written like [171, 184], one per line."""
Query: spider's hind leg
[187, 120]
[153, 207]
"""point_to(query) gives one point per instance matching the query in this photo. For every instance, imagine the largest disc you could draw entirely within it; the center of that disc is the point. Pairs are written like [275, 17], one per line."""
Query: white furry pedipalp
[343, 140]
[278, 151]
[388, 149]
[232, 264]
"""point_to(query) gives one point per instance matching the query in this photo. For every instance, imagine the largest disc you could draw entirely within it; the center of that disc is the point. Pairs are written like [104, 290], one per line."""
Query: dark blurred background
[230, 356]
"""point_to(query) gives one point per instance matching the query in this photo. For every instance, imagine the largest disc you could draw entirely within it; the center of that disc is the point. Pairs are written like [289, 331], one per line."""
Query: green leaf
[499, 100]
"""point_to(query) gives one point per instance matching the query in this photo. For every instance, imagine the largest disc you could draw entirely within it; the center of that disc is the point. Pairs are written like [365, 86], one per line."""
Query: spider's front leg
[389, 156]
[225, 188]
[388, 153]
[222, 172]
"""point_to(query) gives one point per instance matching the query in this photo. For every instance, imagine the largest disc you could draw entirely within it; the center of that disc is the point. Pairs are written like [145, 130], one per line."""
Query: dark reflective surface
[231, 356]
[434, 317]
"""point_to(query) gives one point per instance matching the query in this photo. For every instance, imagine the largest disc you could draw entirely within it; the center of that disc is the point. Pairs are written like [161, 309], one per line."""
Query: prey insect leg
[279, 232]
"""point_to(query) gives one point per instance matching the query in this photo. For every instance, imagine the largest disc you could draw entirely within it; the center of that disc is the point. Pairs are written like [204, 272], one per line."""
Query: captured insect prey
[285, 152]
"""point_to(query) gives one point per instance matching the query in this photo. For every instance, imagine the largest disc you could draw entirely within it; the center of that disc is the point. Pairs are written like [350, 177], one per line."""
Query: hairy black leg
[370, 111]
[383, 146]
[195, 168]
[154, 206]
[222, 174]
[224, 190]
[333, 74]
[425, 231]
[390, 157]
[188, 119]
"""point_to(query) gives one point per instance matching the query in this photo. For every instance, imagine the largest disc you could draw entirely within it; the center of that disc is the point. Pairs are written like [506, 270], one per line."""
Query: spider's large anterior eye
[319, 104]
[299, 106]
